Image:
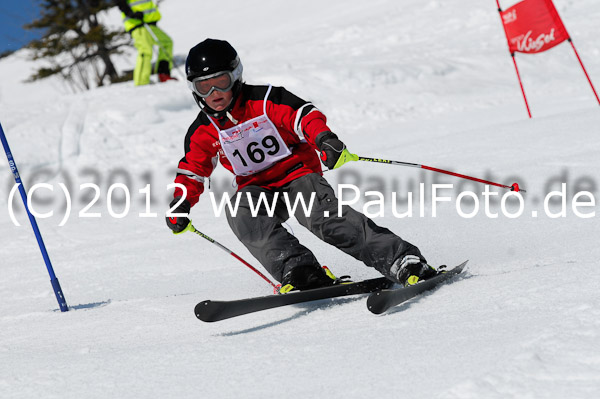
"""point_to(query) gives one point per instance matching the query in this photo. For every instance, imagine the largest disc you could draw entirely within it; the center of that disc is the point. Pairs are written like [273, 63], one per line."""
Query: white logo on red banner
[509, 17]
[528, 45]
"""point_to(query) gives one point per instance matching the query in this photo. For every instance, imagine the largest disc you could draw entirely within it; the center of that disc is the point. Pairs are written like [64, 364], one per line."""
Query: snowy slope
[428, 82]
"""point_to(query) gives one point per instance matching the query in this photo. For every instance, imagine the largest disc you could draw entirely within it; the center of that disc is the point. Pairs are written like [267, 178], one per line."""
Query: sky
[13, 15]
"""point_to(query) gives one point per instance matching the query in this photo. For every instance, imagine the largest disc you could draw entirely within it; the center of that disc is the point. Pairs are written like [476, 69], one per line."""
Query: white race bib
[254, 145]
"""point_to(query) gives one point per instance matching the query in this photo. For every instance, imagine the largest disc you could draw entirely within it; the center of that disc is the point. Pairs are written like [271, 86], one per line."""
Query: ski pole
[164, 51]
[62, 302]
[514, 187]
[192, 229]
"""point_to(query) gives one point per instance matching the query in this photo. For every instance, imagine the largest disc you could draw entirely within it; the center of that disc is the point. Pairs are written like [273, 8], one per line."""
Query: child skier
[267, 137]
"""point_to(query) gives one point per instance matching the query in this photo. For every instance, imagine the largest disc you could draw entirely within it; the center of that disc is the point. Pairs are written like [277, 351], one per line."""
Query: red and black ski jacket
[299, 123]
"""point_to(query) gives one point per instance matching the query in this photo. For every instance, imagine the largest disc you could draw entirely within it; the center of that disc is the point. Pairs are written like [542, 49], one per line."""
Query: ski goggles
[221, 81]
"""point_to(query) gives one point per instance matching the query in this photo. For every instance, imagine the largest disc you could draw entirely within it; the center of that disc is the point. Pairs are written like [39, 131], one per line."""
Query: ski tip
[202, 311]
[374, 305]
[376, 310]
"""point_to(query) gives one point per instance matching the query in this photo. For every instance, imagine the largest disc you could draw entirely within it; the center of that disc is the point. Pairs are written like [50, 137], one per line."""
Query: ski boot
[165, 77]
[309, 277]
[411, 269]
[164, 72]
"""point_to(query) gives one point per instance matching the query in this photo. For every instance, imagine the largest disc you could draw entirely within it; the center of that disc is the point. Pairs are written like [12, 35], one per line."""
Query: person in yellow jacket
[140, 18]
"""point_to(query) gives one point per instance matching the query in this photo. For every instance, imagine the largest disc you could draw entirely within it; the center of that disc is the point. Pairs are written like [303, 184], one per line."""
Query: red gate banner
[533, 26]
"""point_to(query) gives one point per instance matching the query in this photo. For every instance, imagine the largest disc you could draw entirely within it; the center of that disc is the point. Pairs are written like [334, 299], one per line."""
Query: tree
[77, 46]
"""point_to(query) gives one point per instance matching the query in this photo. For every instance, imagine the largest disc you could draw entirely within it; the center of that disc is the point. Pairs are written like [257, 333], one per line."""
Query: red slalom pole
[584, 71]
[514, 187]
[191, 228]
[512, 55]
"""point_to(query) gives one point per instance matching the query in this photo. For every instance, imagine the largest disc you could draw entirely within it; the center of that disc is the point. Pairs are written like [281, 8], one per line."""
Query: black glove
[179, 223]
[330, 148]
[333, 152]
[138, 15]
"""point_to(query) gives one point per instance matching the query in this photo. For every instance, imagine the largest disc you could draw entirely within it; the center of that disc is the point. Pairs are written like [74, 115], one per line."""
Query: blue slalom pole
[62, 303]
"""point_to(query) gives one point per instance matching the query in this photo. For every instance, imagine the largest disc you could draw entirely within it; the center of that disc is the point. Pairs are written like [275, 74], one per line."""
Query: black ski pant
[279, 251]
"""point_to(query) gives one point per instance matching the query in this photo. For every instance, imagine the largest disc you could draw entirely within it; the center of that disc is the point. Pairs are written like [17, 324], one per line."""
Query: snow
[427, 82]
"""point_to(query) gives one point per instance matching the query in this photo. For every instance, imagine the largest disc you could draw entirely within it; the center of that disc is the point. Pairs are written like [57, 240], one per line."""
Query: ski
[210, 311]
[380, 301]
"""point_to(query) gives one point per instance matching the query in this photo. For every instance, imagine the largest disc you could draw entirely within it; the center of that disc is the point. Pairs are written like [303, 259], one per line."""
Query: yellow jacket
[151, 13]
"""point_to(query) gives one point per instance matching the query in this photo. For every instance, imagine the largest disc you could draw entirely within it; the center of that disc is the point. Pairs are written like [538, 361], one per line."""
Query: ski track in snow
[428, 82]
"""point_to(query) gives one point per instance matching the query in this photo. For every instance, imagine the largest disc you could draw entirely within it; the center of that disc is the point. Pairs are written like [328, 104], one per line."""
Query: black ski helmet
[209, 57]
